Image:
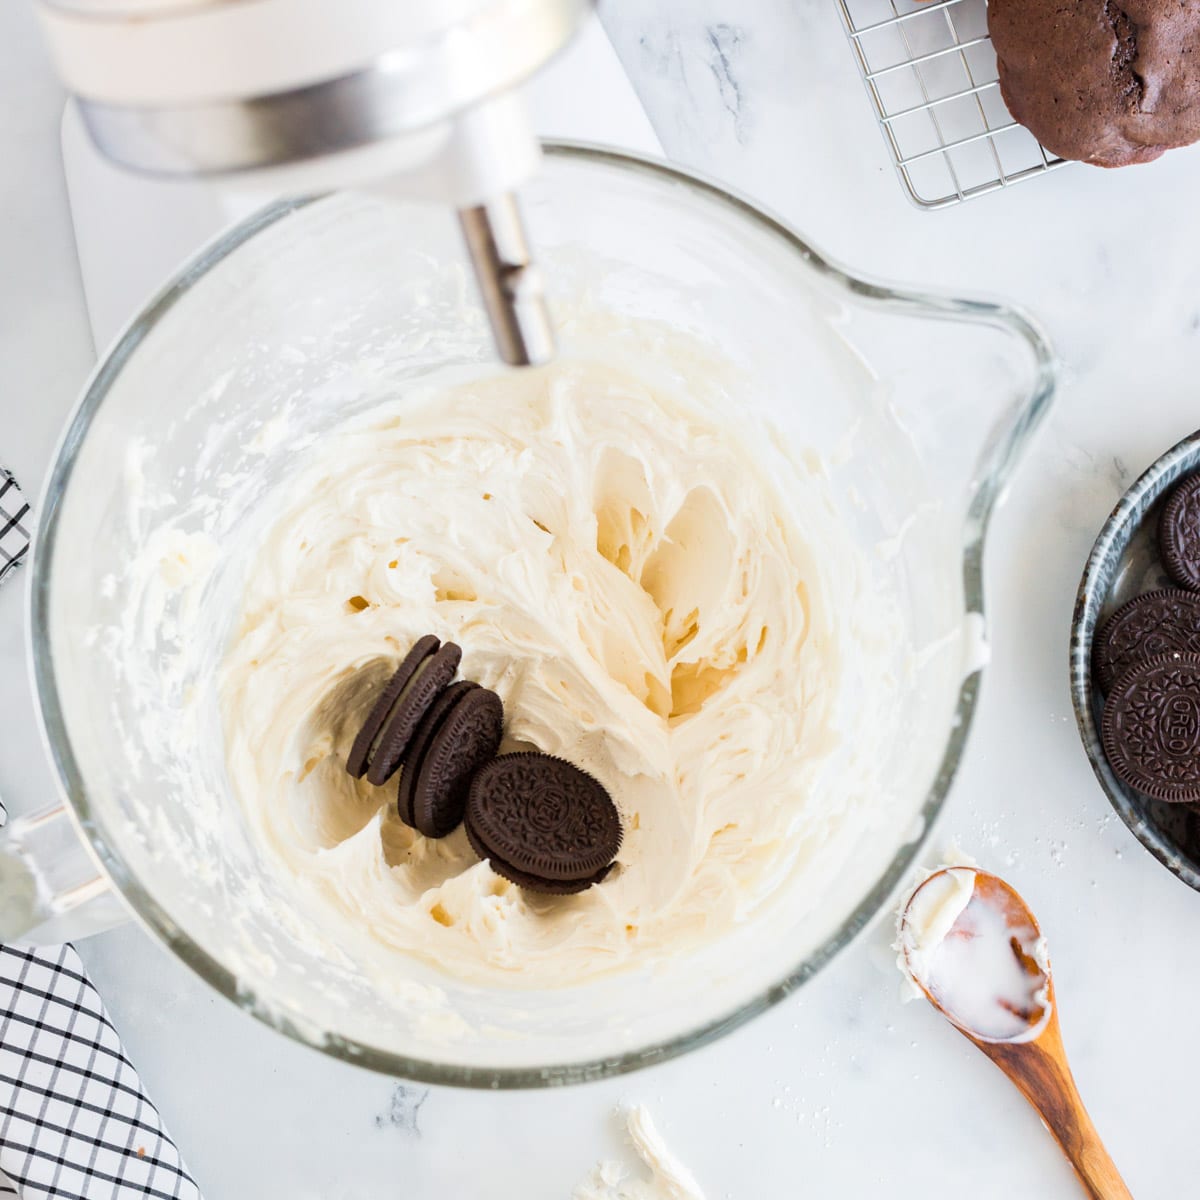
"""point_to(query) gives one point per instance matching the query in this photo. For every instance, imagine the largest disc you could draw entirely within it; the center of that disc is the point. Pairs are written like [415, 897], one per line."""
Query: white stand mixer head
[297, 96]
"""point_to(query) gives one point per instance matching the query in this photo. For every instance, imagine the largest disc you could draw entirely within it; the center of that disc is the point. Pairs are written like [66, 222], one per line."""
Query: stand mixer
[417, 97]
[320, 310]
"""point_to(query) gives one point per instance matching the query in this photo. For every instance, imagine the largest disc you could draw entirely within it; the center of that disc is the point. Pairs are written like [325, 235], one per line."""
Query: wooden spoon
[972, 946]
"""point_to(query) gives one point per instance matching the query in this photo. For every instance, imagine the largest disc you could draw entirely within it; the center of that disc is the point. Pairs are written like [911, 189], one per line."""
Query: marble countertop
[839, 1091]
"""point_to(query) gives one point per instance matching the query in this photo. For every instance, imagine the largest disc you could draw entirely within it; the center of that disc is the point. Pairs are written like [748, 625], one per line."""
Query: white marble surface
[839, 1091]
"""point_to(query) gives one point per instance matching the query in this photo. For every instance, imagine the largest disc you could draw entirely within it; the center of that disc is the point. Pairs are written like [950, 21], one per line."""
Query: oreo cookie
[430, 679]
[1162, 622]
[459, 734]
[1151, 728]
[367, 741]
[420, 743]
[1179, 534]
[542, 822]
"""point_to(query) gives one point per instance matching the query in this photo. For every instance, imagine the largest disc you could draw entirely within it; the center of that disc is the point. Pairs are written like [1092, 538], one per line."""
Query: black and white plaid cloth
[14, 524]
[75, 1123]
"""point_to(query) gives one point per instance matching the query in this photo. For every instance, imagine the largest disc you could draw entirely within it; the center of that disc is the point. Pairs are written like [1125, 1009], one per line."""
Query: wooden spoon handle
[1040, 1071]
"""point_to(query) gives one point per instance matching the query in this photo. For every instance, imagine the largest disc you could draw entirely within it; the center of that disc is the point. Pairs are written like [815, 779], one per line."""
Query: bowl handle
[976, 433]
[51, 890]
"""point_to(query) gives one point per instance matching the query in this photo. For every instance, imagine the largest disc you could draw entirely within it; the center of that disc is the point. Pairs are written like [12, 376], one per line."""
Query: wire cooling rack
[930, 71]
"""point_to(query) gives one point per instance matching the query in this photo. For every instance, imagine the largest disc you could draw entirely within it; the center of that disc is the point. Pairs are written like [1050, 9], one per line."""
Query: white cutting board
[131, 233]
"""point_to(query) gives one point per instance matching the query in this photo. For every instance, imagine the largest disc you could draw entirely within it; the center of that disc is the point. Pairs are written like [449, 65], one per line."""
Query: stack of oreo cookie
[541, 822]
[1146, 660]
[440, 733]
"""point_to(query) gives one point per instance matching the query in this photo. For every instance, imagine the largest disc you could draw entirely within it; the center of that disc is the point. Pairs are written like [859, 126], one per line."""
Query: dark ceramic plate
[1123, 563]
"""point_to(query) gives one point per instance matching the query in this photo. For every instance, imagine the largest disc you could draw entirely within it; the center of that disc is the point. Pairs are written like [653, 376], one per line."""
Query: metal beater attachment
[509, 281]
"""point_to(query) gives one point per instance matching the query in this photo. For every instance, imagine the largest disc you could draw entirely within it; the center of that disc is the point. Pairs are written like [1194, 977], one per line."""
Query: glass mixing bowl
[918, 405]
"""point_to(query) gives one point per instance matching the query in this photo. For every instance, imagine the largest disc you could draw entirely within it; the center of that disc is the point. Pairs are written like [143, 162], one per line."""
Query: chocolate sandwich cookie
[1179, 534]
[420, 742]
[1162, 622]
[1109, 82]
[542, 823]
[429, 680]
[1151, 728]
[458, 735]
[367, 741]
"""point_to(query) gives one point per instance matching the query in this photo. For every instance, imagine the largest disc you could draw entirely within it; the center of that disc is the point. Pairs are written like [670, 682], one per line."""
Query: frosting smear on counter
[651, 602]
[664, 1176]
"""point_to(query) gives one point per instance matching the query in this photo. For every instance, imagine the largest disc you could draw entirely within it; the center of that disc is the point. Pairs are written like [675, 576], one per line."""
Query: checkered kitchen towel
[74, 1121]
[14, 524]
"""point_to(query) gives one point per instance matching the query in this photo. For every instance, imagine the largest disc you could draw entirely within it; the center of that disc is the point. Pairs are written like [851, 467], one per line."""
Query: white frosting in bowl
[649, 601]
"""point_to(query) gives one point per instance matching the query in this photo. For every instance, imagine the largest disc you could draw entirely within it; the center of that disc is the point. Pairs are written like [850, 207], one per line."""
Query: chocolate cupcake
[1103, 83]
